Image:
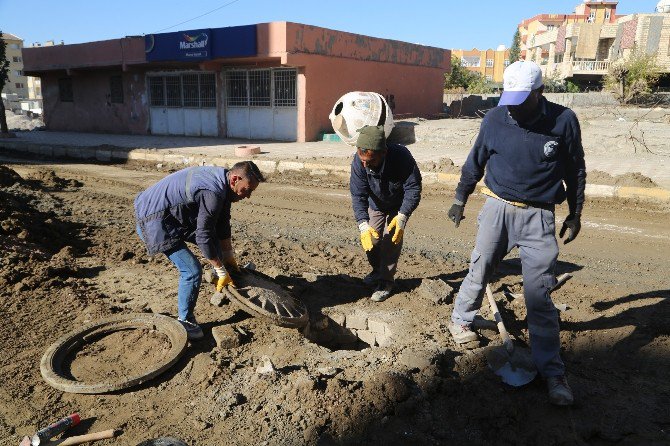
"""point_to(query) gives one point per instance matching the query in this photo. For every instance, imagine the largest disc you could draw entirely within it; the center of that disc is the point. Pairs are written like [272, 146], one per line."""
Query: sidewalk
[317, 157]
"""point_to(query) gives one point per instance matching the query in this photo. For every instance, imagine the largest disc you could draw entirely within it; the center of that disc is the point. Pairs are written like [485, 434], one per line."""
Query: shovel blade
[516, 369]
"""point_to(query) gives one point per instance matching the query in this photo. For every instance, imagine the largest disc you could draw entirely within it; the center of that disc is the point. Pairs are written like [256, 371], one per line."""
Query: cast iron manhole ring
[51, 365]
[273, 303]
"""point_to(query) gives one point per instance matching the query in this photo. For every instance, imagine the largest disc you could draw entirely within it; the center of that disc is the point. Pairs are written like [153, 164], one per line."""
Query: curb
[115, 154]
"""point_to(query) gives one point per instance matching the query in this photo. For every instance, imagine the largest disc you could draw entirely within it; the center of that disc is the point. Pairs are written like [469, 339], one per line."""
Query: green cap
[371, 138]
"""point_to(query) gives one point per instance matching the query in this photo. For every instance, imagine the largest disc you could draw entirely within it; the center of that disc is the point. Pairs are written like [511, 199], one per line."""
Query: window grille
[285, 88]
[65, 91]
[259, 88]
[190, 90]
[173, 91]
[116, 89]
[236, 88]
[208, 90]
[156, 91]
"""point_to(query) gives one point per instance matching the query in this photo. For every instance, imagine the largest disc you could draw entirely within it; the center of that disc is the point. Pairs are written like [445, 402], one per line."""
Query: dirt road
[70, 256]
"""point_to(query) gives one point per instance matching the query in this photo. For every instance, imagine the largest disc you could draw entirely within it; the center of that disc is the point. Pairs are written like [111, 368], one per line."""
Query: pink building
[274, 81]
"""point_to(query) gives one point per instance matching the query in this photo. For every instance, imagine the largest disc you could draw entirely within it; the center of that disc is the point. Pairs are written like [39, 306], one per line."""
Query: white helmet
[357, 109]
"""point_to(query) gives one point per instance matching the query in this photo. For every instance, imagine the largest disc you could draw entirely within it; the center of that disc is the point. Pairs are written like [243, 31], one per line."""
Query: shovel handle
[507, 341]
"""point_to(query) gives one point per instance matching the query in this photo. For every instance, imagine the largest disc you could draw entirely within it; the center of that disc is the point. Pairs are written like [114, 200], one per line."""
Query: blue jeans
[190, 277]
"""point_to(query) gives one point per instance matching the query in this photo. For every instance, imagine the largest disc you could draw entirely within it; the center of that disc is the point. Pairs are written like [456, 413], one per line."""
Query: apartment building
[583, 50]
[489, 63]
[17, 83]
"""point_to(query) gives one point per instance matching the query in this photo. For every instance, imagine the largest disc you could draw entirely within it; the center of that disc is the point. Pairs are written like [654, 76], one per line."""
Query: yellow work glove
[398, 224]
[223, 280]
[367, 235]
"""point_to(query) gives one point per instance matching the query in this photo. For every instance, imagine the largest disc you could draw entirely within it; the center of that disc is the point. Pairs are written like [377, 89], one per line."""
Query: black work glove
[574, 224]
[456, 213]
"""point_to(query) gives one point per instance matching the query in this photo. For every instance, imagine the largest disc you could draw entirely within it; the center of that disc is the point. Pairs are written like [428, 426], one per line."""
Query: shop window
[196, 90]
[116, 89]
[156, 91]
[236, 88]
[285, 88]
[259, 88]
[190, 90]
[208, 90]
[173, 91]
[65, 92]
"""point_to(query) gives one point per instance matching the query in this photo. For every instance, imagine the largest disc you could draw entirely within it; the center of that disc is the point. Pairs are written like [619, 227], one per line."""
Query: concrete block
[46, 151]
[73, 152]
[218, 299]
[338, 318]
[226, 337]
[266, 166]
[357, 321]
[120, 154]
[436, 290]
[137, 155]
[153, 156]
[376, 326]
[448, 178]
[59, 152]
[600, 190]
[283, 166]
[103, 155]
[384, 340]
[367, 336]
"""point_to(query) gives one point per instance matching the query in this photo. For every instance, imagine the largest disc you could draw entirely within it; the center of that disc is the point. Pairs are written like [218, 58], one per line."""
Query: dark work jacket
[191, 205]
[528, 162]
[395, 188]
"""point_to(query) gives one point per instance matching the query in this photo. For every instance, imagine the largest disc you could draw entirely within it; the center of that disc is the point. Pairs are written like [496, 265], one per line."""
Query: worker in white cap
[532, 154]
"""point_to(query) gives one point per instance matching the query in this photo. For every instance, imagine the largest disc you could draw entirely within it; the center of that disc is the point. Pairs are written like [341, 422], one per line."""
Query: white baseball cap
[519, 80]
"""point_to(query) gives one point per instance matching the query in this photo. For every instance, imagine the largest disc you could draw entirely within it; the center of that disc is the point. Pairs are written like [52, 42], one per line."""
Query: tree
[633, 78]
[515, 49]
[461, 79]
[4, 75]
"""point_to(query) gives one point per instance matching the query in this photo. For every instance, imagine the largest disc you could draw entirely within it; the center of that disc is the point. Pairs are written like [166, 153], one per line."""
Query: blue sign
[201, 44]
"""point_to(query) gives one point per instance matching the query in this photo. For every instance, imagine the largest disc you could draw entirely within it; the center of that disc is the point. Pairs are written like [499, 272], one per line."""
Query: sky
[449, 24]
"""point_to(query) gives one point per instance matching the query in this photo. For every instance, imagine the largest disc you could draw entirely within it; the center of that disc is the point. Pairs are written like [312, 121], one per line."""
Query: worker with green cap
[385, 185]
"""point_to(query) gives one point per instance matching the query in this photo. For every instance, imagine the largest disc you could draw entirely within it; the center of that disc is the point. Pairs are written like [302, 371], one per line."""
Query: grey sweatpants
[384, 255]
[502, 227]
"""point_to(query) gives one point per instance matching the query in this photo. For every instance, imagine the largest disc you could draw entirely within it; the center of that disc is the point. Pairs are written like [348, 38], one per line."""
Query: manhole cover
[258, 295]
[56, 374]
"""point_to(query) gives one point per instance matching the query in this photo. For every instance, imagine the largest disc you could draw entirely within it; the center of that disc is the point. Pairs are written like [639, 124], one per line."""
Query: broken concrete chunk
[436, 290]
[376, 326]
[226, 337]
[267, 367]
[357, 322]
[366, 336]
[218, 299]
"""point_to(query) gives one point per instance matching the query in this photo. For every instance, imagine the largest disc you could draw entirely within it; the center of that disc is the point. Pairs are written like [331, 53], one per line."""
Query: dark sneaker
[462, 334]
[382, 292]
[371, 279]
[193, 330]
[560, 392]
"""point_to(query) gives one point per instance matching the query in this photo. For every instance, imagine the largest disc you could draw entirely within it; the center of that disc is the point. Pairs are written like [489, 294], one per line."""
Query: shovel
[513, 364]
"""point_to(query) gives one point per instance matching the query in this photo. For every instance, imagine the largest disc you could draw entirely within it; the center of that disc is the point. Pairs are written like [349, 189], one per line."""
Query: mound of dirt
[48, 179]
[444, 165]
[633, 179]
[32, 231]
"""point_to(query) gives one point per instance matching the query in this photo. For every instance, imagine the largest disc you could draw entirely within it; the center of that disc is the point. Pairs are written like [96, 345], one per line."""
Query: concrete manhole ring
[260, 296]
[51, 365]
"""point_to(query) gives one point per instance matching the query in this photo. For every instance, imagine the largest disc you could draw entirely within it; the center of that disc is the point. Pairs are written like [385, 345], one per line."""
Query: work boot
[371, 279]
[193, 330]
[560, 392]
[382, 292]
[462, 334]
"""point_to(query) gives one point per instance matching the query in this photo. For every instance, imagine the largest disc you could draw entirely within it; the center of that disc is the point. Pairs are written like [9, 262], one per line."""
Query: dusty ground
[70, 256]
